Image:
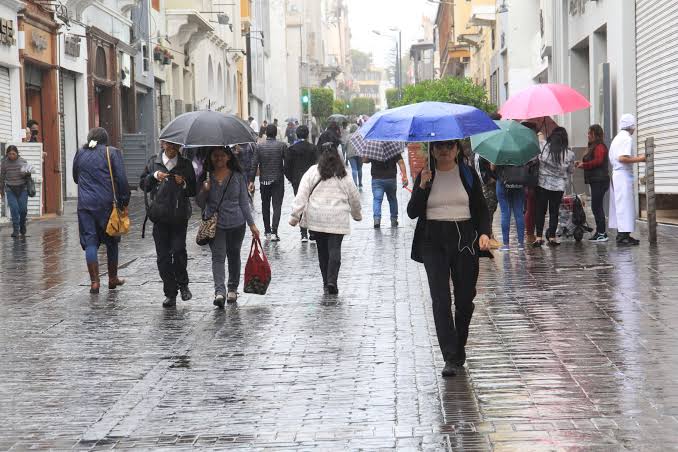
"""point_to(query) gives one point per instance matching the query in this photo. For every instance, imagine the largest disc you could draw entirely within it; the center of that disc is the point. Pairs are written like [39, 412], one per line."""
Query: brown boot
[530, 238]
[113, 280]
[93, 270]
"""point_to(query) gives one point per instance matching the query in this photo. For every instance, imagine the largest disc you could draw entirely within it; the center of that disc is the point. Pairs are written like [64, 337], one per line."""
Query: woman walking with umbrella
[452, 228]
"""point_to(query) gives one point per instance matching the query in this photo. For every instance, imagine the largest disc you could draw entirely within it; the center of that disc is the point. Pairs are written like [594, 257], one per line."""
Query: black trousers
[329, 256]
[547, 200]
[274, 192]
[598, 190]
[170, 247]
[443, 261]
[295, 188]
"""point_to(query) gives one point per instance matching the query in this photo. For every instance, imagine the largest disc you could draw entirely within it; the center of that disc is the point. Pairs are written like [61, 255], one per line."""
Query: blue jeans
[357, 170]
[18, 207]
[511, 200]
[379, 187]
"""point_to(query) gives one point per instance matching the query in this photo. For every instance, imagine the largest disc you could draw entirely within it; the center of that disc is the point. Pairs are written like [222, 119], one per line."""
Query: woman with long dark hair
[556, 164]
[95, 202]
[14, 178]
[224, 191]
[596, 164]
[452, 228]
[325, 198]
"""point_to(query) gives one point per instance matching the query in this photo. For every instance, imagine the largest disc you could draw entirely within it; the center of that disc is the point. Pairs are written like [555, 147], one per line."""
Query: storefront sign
[72, 45]
[7, 32]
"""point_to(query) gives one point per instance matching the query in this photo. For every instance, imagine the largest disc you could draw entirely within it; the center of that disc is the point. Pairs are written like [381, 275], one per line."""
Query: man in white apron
[622, 199]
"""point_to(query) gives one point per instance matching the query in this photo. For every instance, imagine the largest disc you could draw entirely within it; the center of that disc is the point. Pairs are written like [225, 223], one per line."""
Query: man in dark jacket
[268, 159]
[170, 222]
[298, 159]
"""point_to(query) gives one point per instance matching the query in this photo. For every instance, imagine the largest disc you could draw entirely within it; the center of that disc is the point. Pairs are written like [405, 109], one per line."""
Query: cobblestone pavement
[570, 349]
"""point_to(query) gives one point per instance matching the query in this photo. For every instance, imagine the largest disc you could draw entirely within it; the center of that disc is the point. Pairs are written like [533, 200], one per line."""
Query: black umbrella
[337, 118]
[207, 128]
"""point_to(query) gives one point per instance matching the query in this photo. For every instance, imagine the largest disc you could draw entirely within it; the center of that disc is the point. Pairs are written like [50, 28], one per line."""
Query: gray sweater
[235, 208]
[11, 174]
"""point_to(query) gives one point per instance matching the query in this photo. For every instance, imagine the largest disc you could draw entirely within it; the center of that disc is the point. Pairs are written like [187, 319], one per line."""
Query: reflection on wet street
[570, 348]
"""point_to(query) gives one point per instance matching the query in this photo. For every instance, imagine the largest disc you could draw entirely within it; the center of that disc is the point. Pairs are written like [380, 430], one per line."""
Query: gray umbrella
[207, 128]
[337, 118]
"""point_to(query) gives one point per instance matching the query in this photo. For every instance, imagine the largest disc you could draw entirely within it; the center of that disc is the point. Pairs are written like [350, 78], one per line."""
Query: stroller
[572, 217]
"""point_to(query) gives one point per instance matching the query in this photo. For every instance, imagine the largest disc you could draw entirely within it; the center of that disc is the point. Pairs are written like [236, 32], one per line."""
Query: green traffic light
[304, 99]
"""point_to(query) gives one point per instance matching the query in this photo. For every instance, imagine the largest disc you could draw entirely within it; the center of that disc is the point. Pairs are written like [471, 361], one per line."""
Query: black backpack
[519, 176]
[167, 205]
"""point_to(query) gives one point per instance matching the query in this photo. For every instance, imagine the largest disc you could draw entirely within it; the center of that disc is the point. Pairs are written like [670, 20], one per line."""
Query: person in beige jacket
[326, 198]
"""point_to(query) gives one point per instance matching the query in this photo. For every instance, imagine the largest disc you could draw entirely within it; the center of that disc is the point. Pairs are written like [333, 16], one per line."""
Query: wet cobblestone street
[574, 348]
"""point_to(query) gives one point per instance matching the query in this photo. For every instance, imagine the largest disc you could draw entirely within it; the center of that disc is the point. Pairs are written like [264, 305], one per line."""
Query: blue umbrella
[427, 121]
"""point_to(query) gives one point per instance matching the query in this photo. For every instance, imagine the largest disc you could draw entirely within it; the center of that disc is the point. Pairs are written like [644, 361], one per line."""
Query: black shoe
[394, 222]
[185, 293]
[15, 234]
[628, 241]
[332, 289]
[219, 301]
[169, 302]
[377, 224]
[450, 369]
[275, 237]
[22, 229]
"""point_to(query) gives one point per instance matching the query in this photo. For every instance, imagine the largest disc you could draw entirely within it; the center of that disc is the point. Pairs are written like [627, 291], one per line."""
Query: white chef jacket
[622, 197]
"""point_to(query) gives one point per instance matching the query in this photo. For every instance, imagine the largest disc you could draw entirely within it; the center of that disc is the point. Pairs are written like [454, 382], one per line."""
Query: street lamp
[399, 60]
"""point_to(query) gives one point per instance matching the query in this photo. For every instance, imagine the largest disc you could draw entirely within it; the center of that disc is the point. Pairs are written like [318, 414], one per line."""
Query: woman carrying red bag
[326, 197]
[224, 191]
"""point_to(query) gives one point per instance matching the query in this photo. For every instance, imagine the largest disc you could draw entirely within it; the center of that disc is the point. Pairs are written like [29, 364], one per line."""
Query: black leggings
[547, 200]
[329, 256]
[598, 190]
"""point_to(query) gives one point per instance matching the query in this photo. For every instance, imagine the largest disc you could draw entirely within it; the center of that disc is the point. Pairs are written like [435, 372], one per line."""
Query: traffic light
[304, 99]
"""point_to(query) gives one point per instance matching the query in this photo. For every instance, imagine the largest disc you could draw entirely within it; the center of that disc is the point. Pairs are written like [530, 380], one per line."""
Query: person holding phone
[174, 176]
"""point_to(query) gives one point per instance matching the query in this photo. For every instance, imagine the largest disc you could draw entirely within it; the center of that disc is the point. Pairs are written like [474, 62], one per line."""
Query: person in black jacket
[298, 159]
[170, 223]
[452, 229]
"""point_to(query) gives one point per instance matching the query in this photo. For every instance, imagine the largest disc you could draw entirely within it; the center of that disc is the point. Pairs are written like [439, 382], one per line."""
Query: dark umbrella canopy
[207, 128]
[337, 118]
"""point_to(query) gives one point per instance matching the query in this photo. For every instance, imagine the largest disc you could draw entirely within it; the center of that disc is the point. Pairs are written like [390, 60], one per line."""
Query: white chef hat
[627, 121]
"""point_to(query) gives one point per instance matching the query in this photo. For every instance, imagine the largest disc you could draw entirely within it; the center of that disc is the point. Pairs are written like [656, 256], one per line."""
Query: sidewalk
[570, 348]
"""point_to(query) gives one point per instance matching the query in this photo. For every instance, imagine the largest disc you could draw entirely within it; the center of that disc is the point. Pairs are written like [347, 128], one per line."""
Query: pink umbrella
[543, 100]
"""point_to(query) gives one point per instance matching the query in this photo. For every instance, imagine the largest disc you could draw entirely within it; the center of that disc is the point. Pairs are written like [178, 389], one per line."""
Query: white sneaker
[267, 236]
[275, 238]
[232, 297]
[304, 239]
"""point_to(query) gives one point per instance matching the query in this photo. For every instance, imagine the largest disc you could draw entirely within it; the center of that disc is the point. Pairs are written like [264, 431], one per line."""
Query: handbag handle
[110, 171]
[256, 247]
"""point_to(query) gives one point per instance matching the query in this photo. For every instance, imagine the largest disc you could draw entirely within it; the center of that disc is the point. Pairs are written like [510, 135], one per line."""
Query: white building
[593, 51]
[10, 77]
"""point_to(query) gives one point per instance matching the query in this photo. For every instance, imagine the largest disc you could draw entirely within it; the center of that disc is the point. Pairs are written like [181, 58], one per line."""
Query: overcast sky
[368, 15]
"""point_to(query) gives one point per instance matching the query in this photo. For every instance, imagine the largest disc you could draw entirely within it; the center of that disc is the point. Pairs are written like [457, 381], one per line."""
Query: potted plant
[167, 57]
[157, 53]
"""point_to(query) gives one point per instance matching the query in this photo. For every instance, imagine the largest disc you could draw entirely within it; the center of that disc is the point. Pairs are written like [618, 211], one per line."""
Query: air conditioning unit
[466, 60]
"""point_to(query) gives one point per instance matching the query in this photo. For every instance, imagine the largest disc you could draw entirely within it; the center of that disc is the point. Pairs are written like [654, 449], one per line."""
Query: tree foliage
[392, 97]
[362, 106]
[341, 107]
[322, 102]
[450, 89]
[360, 61]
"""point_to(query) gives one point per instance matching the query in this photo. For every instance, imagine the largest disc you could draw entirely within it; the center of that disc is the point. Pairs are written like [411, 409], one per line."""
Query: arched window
[220, 85]
[100, 65]
[228, 99]
[210, 76]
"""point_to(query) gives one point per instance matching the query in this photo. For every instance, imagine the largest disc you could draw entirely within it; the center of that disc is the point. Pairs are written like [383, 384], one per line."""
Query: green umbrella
[513, 144]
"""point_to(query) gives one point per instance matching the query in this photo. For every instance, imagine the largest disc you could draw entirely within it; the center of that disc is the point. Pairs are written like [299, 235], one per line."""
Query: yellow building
[457, 36]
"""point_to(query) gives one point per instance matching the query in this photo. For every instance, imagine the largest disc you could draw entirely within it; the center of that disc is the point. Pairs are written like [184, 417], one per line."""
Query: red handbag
[257, 270]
